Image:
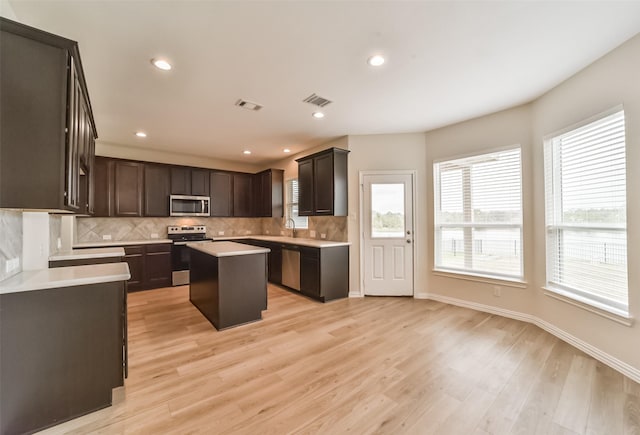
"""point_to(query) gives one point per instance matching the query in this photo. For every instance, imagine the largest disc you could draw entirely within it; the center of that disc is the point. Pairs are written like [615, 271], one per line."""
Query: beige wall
[499, 130]
[387, 152]
[609, 82]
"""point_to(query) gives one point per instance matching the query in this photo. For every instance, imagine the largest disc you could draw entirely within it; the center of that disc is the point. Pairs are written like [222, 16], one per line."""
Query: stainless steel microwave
[186, 205]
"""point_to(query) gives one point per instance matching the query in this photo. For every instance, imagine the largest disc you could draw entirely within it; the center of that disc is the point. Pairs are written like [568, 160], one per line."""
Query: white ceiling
[446, 62]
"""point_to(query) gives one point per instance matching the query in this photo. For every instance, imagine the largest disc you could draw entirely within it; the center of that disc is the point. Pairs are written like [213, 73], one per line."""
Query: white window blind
[478, 214]
[585, 184]
[291, 209]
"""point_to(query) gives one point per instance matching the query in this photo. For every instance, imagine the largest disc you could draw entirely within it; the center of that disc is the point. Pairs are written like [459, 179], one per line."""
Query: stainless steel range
[179, 251]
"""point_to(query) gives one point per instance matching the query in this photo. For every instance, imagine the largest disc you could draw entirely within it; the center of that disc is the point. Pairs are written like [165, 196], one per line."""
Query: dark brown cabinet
[324, 272]
[128, 187]
[103, 186]
[157, 188]
[322, 183]
[242, 195]
[149, 265]
[268, 193]
[221, 189]
[189, 181]
[46, 124]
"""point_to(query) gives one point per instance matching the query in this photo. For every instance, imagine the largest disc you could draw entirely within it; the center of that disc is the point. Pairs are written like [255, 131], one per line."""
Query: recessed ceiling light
[318, 115]
[247, 152]
[286, 150]
[376, 60]
[141, 134]
[161, 64]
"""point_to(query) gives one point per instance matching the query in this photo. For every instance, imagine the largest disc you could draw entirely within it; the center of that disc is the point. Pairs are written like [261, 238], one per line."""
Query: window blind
[478, 214]
[292, 205]
[585, 184]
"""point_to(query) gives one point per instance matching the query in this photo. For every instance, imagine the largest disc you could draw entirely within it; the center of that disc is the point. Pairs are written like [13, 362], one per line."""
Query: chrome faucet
[293, 226]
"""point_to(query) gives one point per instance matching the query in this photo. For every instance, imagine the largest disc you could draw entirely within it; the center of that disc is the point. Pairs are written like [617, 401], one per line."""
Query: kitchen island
[228, 282]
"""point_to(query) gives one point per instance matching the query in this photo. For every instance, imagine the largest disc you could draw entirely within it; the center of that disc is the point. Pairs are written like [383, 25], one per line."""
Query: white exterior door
[387, 239]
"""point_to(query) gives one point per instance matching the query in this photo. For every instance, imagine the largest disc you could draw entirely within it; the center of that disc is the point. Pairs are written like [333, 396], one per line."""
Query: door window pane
[387, 210]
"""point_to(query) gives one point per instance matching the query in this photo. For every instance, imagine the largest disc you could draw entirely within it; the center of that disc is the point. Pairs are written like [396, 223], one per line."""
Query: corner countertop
[81, 254]
[227, 249]
[71, 276]
[314, 243]
[104, 244]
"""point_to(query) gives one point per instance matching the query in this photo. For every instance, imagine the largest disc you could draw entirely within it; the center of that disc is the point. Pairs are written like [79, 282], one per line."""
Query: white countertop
[106, 243]
[81, 254]
[57, 277]
[227, 249]
[314, 243]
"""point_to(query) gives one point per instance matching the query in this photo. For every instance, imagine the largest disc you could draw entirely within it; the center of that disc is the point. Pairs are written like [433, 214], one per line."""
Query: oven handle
[191, 241]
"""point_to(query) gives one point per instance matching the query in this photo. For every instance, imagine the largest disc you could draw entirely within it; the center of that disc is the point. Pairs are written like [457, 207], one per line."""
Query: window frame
[466, 273]
[578, 295]
[288, 207]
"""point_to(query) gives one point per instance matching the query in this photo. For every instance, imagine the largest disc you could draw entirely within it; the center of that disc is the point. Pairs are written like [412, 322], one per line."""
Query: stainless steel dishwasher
[291, 268]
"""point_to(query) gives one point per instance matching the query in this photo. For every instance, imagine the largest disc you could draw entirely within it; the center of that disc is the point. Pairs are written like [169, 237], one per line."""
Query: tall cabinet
[47, 131]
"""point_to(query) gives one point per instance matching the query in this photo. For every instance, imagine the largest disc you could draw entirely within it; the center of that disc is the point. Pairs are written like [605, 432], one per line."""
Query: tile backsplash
[94, 229]
[10, 241]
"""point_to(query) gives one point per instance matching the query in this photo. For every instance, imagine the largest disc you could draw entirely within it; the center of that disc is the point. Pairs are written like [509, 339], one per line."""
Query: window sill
[602, 310]
[486, 279]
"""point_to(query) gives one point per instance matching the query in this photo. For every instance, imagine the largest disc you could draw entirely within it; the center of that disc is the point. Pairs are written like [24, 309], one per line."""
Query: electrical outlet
[59, 243]
[282, 233]
[106, 237]
[267, 231]
[12, 265]
[154, 235]
[312, 233]
[248, 232]
[323, 236]
[221, 233]
[497, 291]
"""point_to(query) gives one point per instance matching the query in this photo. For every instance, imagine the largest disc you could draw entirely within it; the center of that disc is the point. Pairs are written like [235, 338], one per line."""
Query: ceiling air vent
[248, 105]
[317, 100]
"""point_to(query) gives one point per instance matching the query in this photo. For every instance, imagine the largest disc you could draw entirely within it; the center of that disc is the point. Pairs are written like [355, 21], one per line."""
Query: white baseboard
[613, 362]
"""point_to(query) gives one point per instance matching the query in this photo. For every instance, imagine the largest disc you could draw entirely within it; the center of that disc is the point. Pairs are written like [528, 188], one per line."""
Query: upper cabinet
[322, 183]
[268, 192]
[189, 181]
[47, 132]
[221, 190]
[157, 188]
[242, 195]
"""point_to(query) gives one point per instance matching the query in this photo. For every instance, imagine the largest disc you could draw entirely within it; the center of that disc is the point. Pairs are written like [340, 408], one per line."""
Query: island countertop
[43, 279]
[227, 249]
[82, 254]
[299, 241]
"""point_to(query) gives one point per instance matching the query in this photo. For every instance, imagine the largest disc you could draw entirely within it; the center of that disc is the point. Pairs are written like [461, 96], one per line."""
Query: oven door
[180, 261]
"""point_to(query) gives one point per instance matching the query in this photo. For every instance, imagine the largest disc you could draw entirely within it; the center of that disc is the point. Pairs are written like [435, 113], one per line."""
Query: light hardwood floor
[372, 365]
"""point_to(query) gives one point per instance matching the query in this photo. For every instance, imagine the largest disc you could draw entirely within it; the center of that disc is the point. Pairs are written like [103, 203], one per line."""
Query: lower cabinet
[63, 351]
[324, 272]
[149, 265]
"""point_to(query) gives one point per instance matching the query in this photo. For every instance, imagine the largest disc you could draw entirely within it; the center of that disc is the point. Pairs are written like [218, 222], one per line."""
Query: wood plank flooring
[371, 365]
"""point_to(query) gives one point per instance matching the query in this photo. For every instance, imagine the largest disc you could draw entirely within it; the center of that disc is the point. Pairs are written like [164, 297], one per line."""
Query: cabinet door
[157, 266]
[310, 271]
[103, 187]
[221, 190]
[157, 188]
[260, 207]
[323, 184]
[200, 182]
[275, 264]
[180, 180]
[134, 256]
[72, 152]
[242, 195]
[128, 186]
[305, 188]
